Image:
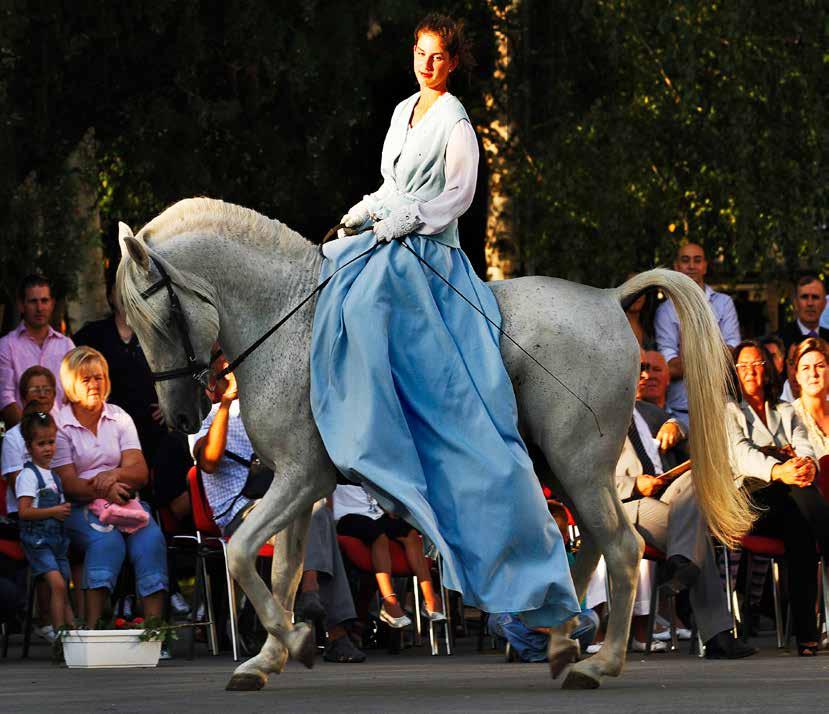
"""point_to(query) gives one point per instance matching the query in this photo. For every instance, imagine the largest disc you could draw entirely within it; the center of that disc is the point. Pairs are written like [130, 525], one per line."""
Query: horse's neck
[255, 286]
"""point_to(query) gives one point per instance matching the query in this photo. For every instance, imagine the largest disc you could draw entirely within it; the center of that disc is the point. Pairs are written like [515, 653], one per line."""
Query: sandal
[807, 649]
[342, 650]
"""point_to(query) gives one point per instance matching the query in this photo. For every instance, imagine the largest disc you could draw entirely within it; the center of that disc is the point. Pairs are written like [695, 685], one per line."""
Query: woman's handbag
[129, 518]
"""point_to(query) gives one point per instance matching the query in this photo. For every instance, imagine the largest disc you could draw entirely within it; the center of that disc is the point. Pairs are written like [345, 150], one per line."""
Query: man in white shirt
[690, 260]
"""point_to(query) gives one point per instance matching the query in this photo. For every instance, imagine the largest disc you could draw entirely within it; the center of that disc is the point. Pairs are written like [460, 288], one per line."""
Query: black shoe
[682, 574]
[724, 646]
[309, 607]
[342, 650]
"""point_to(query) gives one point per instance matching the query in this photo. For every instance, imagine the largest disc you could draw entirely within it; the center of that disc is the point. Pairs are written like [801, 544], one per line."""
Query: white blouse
[461, 174]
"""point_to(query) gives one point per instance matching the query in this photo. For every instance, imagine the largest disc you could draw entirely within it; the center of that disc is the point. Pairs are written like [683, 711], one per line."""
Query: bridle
[196, 370]
[199, 372]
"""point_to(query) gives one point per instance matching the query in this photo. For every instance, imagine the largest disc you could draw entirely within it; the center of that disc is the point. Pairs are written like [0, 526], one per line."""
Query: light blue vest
[414, 158]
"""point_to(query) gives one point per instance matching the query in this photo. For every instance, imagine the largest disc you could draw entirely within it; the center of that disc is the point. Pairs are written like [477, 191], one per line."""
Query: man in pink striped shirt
[32, 342]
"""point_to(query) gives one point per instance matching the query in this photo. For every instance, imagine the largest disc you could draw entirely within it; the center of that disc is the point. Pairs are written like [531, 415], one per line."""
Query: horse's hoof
[579, 680]
[301, 644]
[567, 653]
[245, 682]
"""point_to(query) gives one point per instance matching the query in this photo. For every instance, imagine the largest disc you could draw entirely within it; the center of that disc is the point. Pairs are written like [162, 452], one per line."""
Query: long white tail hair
[706, 364]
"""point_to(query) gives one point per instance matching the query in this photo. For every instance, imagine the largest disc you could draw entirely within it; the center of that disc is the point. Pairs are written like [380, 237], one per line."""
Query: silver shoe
[398, 623]
[432, 615]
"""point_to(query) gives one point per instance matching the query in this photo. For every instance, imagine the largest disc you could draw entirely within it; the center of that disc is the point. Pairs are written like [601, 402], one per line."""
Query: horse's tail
[705, 361]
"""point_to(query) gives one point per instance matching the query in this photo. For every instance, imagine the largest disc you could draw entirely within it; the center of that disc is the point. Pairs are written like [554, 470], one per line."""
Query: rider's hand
[669, 435]
[356, 216]
[400, 222]
[648, 485]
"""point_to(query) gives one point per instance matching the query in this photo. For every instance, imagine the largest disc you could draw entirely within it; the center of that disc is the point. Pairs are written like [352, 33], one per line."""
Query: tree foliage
[638, 122]
[645, 123]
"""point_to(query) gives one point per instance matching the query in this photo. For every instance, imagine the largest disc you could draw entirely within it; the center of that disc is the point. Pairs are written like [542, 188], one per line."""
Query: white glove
[356, 216]
[400, 222]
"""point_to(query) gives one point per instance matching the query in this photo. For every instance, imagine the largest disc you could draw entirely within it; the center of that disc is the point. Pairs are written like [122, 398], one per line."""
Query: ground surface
[416, 682]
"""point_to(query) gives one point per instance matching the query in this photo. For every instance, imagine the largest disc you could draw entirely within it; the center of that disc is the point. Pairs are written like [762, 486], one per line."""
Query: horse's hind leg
[274, 609]
[603, 517]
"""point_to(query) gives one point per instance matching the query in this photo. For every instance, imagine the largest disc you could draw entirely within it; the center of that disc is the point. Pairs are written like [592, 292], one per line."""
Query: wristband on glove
[400, 222]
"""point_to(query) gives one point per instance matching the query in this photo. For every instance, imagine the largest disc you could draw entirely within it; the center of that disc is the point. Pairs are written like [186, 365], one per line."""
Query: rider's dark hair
[452, 35]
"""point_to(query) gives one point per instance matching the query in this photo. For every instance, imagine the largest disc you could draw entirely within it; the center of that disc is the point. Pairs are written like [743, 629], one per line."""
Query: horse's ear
[133, 247]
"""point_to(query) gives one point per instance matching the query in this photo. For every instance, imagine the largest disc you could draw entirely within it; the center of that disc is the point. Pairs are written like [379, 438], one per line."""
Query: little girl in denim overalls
[42, 510]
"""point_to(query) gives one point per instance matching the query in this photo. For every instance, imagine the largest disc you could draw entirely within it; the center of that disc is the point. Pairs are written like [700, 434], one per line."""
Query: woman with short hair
[98, 455]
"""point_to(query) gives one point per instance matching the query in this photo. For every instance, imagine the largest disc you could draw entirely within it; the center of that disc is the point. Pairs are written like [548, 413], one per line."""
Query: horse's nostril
[182, 422]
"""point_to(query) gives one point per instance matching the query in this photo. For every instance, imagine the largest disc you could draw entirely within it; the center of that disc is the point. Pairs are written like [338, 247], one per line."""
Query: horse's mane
[202, 216]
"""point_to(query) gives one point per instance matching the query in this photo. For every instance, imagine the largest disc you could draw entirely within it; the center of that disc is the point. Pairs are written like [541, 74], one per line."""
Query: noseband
[196, 370]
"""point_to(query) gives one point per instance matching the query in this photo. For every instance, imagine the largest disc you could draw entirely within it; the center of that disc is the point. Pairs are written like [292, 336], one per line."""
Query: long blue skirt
[411, 397]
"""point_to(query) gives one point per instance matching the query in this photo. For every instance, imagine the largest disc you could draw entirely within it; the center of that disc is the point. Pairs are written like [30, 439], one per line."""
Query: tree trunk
[500, 247]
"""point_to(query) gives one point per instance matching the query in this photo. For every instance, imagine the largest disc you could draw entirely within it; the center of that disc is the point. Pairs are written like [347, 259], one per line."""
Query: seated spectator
[777, 351]
[653, 389]
[791, 389]
[98, 455]
[37, 389]
[811, 362]
[530, 644]
[773, 459]
[808, 301]
[43, 509]
[32, 342]
[132, 382]
[358, 515]
[220, 450]
[666, 514]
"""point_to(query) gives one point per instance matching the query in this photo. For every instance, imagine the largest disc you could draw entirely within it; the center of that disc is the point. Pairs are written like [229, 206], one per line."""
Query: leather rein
[200, 372]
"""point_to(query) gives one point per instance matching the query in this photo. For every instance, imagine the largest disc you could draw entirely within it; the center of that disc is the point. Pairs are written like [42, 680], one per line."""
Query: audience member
[791, 389]
[220, 450]
[690, 260]
[654, 379]
[132, 383]
[32, 342]
[43, 509]
[808, 301]
[666, 514]
[99, 455]
[640, 315]
[774, 460]
[811, 362]
[530, 644]
[37, 389]
[359, 515]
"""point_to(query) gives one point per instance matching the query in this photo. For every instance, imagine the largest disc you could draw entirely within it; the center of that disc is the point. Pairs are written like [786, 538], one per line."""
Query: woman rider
[409, 389]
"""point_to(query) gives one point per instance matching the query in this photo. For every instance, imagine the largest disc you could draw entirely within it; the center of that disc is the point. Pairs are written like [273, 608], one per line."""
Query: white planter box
[109, 648]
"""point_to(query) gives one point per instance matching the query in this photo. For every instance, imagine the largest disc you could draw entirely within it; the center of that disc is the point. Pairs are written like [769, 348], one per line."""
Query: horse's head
[174, 315]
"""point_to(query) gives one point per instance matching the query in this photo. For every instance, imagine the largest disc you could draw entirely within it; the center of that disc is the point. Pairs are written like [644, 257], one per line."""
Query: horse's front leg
[271, 515]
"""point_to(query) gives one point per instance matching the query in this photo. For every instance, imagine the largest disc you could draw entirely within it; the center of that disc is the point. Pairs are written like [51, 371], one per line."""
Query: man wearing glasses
[32, 342]
[690, 260]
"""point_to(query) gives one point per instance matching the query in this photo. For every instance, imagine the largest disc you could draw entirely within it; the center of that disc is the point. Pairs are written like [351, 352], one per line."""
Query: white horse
[236, 271]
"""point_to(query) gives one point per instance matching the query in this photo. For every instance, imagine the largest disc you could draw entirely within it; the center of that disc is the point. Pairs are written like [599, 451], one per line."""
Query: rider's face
[432, 63]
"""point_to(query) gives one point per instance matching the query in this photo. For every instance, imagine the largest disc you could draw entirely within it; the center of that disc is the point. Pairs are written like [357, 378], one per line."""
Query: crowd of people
[84, 428]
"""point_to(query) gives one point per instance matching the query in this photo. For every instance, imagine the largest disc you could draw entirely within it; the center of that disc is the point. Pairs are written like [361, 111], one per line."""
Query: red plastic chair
[359, 555]
[211, 543]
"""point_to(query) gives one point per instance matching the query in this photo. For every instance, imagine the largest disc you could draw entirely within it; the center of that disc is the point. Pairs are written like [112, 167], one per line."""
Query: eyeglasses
[745, 366]
[40, 390]
[644, 367]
